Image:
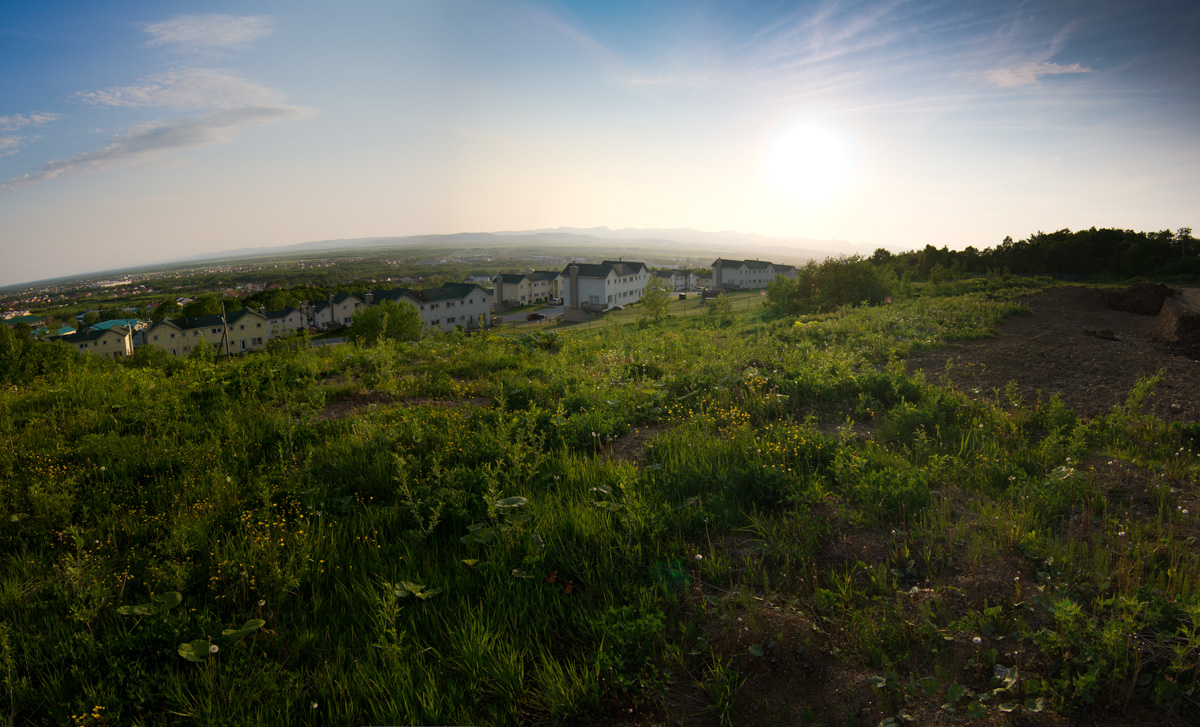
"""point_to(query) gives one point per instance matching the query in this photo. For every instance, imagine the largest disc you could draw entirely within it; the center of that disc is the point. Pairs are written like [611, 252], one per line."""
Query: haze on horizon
[133, 132]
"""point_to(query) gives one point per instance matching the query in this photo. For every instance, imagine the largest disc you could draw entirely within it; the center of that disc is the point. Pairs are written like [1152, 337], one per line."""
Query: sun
[809, 162]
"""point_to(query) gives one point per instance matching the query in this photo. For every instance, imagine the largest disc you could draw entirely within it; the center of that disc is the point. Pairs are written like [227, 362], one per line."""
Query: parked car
[535, 317]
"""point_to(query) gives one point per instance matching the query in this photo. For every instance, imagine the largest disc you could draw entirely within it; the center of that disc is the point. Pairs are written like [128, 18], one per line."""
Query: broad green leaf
[930, 685]
[168, 600]
[954, 693]
[515, 501]
[247, 628]
[977, 710]
[196, 650]
[756, 650]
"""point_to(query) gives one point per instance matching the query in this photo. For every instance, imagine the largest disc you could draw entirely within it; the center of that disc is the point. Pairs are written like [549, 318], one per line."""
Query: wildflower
[262, 602]
[213, 648]
[699, 557]
[977, 640]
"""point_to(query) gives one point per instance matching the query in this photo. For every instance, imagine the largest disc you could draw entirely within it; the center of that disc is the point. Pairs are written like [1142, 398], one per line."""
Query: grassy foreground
[692, 521]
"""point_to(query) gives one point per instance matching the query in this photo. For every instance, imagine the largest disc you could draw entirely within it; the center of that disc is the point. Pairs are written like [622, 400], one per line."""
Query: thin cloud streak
[215, 31]
[191, 88]
[1029, 73]
[151, 141]
[20, 121]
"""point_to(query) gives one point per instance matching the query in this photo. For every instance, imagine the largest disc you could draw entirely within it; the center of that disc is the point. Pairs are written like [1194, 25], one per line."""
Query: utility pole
[225, 325]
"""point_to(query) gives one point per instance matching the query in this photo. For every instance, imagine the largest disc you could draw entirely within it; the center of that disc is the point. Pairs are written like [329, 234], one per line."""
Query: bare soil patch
[353, 403]
[1073, 345]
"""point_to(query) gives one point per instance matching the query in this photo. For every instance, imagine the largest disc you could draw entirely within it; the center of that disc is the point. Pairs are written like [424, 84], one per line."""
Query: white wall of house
[474, 310]
[293, 321]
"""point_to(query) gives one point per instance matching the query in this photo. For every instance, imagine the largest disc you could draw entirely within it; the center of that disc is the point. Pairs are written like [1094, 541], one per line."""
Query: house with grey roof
[113, 342]
[445, 308]
[239, 332]
[747, 274]
[596, 287]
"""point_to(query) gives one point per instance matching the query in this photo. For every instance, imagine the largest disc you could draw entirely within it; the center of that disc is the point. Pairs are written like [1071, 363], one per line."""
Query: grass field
[712, 519]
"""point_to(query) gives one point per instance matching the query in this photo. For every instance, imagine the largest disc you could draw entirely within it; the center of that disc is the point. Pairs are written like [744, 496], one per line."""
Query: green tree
[206, 305]
[385, 321]
[166, 309]
[719, 311]
[655, 299]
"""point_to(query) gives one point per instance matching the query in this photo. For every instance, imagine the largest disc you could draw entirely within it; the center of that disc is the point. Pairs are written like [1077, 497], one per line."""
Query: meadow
[719, 518]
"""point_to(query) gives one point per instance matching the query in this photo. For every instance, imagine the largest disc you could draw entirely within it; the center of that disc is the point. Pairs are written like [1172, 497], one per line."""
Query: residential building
[245, 330]
[544, 285]
[336, 312]
[133, 324]
[114, 342]
[283, 322]
[510, 290]
[747, 274]
[445, 308]
[599, 286]
[676, 280]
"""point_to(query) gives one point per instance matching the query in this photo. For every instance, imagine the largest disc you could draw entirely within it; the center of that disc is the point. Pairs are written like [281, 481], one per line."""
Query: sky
[133, 132]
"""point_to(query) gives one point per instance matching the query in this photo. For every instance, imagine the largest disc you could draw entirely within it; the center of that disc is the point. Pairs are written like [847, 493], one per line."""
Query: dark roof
[378, 296]
[509, 278]
[758, 264]
[784, 268]
[343, 297]
[448, 291]
[728, 263]
[543, 275]
[209, 321]
[283, 313]
[94, 334]
[602, 270]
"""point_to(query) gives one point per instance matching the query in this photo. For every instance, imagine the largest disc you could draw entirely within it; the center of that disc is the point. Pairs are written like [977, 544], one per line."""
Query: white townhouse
[747, 274]
[515, 289]
[600, 286]
[511, 290]
[245, 330]
[335, 312]
[544, 285]
[285, 321]
[445, 308]
[676, 280]
[109, 342]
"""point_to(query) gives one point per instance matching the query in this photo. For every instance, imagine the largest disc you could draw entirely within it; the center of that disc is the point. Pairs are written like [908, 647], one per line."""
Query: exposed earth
[1089, 348]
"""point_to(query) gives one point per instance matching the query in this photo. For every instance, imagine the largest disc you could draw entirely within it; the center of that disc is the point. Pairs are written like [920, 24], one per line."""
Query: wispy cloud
[10, 145]
[151, 141]
[208, 32]
[20, 121]
[1025, 74]
[191, 88]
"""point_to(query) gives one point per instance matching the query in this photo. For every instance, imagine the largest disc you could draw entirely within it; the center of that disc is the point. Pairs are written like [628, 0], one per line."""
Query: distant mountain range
[602, 240]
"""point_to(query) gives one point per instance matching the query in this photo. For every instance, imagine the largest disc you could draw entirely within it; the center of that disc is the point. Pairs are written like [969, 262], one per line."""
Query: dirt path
[1077, 348]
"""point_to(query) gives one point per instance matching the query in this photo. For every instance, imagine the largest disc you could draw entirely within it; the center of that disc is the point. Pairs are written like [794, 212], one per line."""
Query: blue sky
[140, 131]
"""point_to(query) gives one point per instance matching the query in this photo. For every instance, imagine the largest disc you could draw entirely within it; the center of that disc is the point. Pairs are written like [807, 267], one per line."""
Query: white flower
[262, 602]
[213, 648]
[977, 640]
[314, 705]
[699, 557]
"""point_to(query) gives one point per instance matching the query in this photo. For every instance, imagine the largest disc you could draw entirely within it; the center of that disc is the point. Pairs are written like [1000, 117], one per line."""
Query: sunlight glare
[808, 162]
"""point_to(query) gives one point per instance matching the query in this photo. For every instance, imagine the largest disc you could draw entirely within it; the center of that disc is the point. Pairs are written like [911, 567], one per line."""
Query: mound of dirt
[1179, 322]
[1145, 299]
[1090, 355]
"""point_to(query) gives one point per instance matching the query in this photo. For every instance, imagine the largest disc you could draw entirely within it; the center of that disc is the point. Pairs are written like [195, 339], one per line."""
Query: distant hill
[601, 240]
